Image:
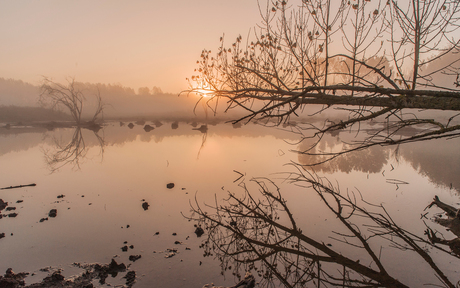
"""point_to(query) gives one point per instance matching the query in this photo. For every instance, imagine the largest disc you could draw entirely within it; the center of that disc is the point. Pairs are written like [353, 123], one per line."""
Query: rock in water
[130, 278]
[134, 258]
[3, 204]
[199, 231]
[148, 128]
[52, 213]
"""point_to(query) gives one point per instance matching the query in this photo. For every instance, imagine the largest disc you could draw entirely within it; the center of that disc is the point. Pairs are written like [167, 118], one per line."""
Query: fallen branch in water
[20, 186]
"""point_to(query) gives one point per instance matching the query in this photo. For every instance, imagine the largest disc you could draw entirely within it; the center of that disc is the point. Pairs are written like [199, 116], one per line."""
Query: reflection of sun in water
[204, 92]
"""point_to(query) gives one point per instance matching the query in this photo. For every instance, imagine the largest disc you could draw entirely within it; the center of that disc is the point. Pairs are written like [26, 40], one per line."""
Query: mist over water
[105, 189]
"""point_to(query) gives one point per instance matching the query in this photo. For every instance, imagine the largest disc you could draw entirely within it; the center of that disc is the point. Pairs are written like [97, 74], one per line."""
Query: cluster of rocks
[4, 206]
[174, 125]
[84, 280]
[92, 271]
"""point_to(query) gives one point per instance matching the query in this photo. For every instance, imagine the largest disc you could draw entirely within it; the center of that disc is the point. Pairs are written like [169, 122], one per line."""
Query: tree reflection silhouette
[370, 160]
[258, 232]
[441, 166]
[71, 152]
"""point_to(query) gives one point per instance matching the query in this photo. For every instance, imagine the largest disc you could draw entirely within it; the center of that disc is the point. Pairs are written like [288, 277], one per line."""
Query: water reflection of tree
[204, 130]
[70, 152]
[441, 166]
[369, 160]
[260, 233]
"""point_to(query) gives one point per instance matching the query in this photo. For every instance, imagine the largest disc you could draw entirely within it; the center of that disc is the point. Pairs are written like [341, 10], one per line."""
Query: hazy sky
[134, 43]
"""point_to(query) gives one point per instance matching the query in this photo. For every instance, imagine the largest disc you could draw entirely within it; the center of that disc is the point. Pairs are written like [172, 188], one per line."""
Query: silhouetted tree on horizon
[70, 97]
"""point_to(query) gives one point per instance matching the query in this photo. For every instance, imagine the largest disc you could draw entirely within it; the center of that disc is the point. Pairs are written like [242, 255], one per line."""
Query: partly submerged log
[19, 186]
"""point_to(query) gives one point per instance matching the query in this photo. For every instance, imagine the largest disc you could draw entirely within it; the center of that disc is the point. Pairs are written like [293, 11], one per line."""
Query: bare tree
[70, 97]
[377, 60]
[258, 232]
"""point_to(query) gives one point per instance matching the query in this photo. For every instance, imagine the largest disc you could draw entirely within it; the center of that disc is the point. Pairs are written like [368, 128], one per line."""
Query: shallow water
[105, 187]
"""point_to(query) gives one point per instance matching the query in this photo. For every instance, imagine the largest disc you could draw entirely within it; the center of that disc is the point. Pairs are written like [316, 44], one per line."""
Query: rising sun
[204, 91]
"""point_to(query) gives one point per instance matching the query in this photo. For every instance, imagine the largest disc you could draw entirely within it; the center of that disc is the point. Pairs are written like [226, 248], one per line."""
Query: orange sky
[134, 43]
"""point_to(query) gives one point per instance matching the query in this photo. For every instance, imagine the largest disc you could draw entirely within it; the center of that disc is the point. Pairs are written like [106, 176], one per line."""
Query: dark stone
[114, 268]
[178, 243]
[3, 204]
[145, 205]
[12, 215]
[131, 246]
[158, 123]
[157, 233]
[2, 235]
[13, 280]
[170, 253]
[131, 125]
[124, 248]
[43, 219]
[148, 128]
[19, 201]
[91, 125]
[175, 125]
[8, 283]
[10, 208]
[170, 185]
[55, 277]
[130, 278]
[52, 213]
[60, 196]
[202, 129]
[140, 122]
[134, 258]
[199, 231]
[174, 234]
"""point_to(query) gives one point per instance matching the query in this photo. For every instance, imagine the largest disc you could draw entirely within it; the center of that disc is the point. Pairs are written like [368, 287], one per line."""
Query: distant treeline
[18, 93]
[119, 101]
[15, 114]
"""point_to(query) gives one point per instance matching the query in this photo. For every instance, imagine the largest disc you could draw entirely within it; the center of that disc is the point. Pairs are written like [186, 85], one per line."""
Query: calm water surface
[105, 190]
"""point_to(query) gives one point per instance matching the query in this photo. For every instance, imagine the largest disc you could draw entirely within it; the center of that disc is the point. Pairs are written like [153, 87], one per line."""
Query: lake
[110, 190]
